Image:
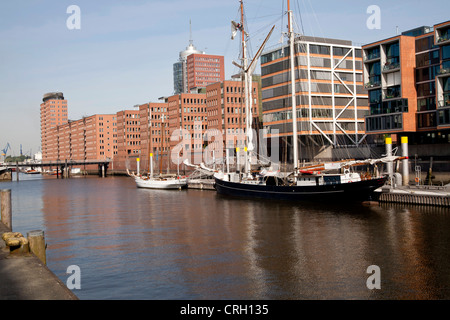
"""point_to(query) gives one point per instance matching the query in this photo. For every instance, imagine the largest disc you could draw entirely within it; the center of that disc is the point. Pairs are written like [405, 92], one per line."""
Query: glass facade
[375, 73]
[317, 96]
[385, 122]
[178, 77]
[388, 105]
[373, 53]
[392, 56]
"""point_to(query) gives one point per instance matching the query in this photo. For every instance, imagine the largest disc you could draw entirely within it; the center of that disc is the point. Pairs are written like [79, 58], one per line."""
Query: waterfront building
[90, 138]
[226, 112]
[331, 99]
[53, 113]
[407, 77]
[187, 112]
[151, 127]
[128, 140]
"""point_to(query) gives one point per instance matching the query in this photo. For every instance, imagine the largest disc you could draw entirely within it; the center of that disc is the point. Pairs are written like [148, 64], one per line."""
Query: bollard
[137, 166]
[36, 241]
[390, 164]
[5, 209]
[405, 162]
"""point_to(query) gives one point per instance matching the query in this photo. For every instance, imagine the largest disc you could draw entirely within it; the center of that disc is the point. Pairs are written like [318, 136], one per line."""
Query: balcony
[372, 84]
[384, 123]
[372, 56]
[392, 93]
[443, 71]
[442, 40]
[442, 35]
[444, 103]
[389, 67]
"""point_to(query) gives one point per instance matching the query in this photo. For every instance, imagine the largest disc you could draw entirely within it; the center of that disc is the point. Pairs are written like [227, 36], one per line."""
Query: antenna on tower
[190, 32]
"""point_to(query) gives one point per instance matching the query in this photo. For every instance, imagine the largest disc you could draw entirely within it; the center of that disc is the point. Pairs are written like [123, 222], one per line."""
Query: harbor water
[134, 244]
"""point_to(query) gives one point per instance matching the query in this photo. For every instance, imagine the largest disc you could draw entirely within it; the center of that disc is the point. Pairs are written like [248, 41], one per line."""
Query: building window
[426, 120]
[426, 104]
[373, 53]
[375, 96]
[392, 56]
[393, 92]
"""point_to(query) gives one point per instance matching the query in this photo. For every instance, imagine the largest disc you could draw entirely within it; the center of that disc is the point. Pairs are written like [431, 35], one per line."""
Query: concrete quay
[201, 184]
[417, 195]
[24, 277]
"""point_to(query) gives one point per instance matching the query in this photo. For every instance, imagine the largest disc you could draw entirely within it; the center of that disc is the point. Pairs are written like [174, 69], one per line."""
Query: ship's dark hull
[354, 191]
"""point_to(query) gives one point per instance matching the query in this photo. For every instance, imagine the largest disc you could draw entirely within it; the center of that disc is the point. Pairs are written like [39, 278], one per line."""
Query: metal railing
[372, 56]
[372, 84]
[444, 103]
[391, 66]
[444, 71]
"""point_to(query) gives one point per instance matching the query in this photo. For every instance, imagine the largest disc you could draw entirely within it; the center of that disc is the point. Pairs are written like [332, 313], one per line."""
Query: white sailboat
[157, 182]
[327, 181]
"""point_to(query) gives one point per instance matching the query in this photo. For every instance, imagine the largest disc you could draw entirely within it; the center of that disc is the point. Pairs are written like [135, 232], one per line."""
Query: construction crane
[5, 150]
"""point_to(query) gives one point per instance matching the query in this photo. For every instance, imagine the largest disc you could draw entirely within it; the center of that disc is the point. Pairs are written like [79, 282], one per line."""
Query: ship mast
[247, 98]
[294, 107]
[247, 71]
[162, 144]
[150, 149]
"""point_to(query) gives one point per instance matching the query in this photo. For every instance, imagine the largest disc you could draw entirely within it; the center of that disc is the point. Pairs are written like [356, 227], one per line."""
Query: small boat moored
[161, 182]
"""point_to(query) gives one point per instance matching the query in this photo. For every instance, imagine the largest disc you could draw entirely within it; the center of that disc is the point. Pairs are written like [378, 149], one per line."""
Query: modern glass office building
[331, 98]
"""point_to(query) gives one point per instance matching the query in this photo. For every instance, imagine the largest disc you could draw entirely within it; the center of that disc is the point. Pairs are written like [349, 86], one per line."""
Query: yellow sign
[137, 159]
[388, 140]
[151, 154]
[237, 149]
[404, 139]
[245, 149]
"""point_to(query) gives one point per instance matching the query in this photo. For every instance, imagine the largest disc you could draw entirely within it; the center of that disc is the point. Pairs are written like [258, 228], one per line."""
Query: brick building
[409, 89]
[204, 69]
[226, 112]
[187, 112]
[53, 114]
[153, 139]
[90, 138]
[128, 140]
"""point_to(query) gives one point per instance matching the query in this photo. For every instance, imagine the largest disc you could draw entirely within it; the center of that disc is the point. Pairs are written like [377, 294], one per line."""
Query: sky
[123, 53]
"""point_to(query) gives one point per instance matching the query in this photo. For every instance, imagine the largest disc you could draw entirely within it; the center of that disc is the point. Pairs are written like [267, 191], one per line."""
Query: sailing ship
[327, 181]
[157, 182]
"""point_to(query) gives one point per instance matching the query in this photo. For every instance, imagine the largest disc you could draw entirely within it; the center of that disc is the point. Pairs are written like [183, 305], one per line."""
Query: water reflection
[144, 244]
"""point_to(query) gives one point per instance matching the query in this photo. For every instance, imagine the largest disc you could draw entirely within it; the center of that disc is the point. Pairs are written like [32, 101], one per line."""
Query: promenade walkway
[25, 277]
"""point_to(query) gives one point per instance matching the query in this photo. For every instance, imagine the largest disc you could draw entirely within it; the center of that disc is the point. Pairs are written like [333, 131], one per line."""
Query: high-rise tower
[180, 74]
[53, 113]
